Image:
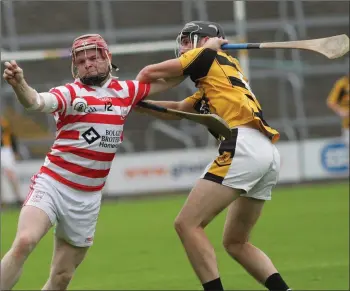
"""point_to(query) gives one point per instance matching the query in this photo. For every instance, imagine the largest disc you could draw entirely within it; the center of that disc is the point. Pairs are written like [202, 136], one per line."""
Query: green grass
[304, 229]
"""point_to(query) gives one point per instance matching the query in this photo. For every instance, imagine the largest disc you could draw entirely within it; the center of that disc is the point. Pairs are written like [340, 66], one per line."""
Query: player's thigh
[66, 257]
[262, 190]
[33, 224]
[38, 212]
[8, 168]
[242, 161]
[245, 211]
[9, 172]
[241, 217]
[11, 175]
[204, 202]
[78, 214]
[42, 195]
[7, 158]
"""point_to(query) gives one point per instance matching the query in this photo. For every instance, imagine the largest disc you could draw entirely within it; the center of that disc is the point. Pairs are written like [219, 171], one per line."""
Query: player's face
[186, 44]
[91, 63]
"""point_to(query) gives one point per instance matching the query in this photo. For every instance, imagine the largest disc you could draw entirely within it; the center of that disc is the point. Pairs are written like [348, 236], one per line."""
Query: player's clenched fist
[13, 74]
[215, 43]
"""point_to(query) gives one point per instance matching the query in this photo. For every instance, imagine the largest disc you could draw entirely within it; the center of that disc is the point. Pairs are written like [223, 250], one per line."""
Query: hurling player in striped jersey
[90, 113]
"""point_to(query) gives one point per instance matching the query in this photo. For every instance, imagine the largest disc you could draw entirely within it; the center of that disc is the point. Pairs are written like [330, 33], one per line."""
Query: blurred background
[166, 157]
[292, 86]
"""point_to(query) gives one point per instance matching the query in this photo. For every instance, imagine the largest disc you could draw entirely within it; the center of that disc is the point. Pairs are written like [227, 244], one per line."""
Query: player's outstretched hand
[215, 43]
[13, 74]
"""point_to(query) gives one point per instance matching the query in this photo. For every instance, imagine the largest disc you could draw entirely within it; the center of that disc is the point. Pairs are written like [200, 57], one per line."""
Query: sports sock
[276, 283]
[214, 285]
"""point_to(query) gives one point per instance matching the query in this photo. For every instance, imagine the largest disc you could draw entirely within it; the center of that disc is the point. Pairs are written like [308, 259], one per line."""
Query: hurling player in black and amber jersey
[339, 101]
[223, 89]
[246, 167]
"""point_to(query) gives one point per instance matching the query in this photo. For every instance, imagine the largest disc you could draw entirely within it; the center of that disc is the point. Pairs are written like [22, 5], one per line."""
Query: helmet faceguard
[196, 30]
[88, 42]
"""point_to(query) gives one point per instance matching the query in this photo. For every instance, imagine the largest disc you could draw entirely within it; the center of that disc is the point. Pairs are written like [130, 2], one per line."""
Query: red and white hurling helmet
[90, 41]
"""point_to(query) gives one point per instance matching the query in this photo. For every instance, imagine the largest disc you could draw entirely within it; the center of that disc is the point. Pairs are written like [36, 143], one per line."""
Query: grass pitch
[304, 229]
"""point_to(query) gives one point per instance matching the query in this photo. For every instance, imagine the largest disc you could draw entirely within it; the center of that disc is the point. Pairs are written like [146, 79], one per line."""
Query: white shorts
[346, 136]
[248, 161]
[74, 212]
[8, 160]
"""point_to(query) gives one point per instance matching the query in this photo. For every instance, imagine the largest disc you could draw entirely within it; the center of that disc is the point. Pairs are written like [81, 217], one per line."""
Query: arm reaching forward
[26, 95]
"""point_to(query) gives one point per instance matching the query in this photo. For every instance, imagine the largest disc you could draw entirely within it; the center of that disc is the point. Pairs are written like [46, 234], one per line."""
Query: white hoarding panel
[25, 170]
[157, 171]
[325, 158]
[179, 169]
[290, 162]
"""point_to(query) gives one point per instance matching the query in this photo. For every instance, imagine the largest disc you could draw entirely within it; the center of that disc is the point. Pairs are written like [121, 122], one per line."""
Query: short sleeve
[137, 91]
[64, 96]
[194, 99]
[196, 63]
[336, 93]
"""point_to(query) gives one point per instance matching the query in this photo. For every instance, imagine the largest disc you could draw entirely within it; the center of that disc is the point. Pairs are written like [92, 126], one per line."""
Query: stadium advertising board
[326, 158]
[178, 170]
[157, 171]
[25, 170]
[145, 173]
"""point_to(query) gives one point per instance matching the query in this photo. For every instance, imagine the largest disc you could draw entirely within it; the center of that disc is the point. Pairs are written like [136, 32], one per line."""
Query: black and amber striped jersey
[223, 89]
[8, 138]
[340, 96]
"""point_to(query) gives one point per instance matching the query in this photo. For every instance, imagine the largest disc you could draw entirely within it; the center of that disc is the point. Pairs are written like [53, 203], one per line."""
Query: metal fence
[291, 85]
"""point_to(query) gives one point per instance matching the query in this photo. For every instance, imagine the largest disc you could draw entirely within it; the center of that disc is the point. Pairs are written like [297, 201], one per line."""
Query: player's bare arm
[173, 68]
[26, 95]
[164, 70]
[341, 112]
[161, 85]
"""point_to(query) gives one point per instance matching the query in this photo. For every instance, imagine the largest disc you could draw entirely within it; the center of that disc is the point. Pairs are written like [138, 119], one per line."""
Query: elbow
[30, 105]
[331, 105]
[146, 75]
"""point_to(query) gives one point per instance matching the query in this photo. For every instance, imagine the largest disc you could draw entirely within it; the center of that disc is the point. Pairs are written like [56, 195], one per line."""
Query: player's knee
[61, 279]
[188, 225]
[180, 225]
[233, 247]
[23, 245]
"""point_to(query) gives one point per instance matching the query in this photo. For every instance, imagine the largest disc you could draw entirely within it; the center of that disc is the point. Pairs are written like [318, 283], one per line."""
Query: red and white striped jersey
[86, 142]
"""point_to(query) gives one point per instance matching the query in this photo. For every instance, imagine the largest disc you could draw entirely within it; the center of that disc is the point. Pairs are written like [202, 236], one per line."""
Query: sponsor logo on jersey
[91, 135]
